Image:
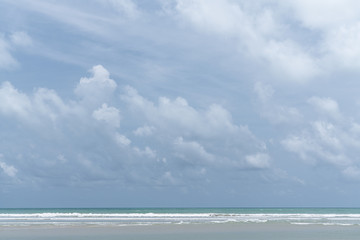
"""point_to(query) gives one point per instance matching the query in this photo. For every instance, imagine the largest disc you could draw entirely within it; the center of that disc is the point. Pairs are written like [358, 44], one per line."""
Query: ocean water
[175, 216]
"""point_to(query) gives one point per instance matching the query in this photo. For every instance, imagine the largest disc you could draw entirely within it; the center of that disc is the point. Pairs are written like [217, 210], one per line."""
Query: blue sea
[165, 216]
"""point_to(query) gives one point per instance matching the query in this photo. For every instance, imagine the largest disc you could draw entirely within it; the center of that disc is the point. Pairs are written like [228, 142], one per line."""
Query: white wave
[118, 219]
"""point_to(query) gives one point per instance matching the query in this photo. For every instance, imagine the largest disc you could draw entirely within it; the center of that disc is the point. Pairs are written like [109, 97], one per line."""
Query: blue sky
[125, 103]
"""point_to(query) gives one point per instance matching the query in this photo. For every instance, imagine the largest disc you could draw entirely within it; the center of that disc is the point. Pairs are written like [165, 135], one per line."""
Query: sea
[20, 217]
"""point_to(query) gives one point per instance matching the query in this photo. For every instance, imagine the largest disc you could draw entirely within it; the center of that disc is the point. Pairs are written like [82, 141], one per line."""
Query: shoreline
[215, 231]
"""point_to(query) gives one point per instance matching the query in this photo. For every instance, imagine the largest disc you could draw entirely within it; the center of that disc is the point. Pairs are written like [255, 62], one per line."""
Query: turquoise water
[151, 216]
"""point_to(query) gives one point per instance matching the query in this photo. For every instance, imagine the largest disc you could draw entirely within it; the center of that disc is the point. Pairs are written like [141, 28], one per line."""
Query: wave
[174, 218]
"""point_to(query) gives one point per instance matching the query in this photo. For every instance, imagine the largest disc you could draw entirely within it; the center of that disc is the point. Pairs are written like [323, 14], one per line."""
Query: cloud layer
[209, 98]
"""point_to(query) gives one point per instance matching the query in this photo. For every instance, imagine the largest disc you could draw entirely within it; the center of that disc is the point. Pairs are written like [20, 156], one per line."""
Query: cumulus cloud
[8, 169]
[326, 105]
[191, 151]
[328, 140]
[200, 137]
[287, 58]
[122, 140]
[258, 160]
[96, 89]
[341, 46]
[176, 141]
[259, 35]
[177, 115]
[148, 152]
[338, 24]
[144, 131]
[43, 104]
[13, 102]
[109, 115]
[269, 109]
[333, 13]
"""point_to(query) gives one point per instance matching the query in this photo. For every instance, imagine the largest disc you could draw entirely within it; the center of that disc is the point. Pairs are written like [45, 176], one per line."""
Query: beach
[217, 231]
[180, 224]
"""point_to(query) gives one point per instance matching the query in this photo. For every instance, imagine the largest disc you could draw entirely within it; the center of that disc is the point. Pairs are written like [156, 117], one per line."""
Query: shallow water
[227, 231]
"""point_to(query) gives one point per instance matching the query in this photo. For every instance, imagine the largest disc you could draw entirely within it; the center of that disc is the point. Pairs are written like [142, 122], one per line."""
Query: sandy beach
[228, 231]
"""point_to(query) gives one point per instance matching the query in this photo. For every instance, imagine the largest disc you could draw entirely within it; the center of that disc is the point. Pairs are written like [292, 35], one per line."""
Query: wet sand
[227, 231]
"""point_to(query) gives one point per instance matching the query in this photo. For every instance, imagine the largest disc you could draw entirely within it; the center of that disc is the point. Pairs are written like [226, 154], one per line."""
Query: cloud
[21, 39]
[43, 105]
[148, 152]
[200, 137]
[352, 172]
[13, 102]
[9, 170]
[109, 115]
[259, 35]
[327, 106]
[287, 58]
[333, 13]
[272, 111]
[333, 141]
[177, 115]
[259, 160]
[337, 26]
[341, 46]
[97, 89]
[144, 131]
[128, 7]
[7, 61]
[191, 151]
[322, 142]
[81, 137]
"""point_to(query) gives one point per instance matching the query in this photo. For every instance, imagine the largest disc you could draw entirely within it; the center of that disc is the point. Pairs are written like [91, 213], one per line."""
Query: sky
[179, 103]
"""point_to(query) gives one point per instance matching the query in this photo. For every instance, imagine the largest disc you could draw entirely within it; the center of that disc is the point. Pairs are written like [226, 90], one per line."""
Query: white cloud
[341, 46]
[323, 142]
[43, 104]
[7, 61]
[264, 91]
[48, 104]
[8, 169]
[352, 172]
[13, 102]
[333, 12]
[148, 152]
[21, 39]
[109, 115]
[144, 131]
[192, 151]
[259, 160]
[185, 140]
[257, 33]
[96, 89]
[219, 16]
[272, 111]
[335, 143]
[288, 59]
[128, 7]
[326, 105]
[327, 133]
[338, 25]
[178, 115]
[122, 140]
[200, 136]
